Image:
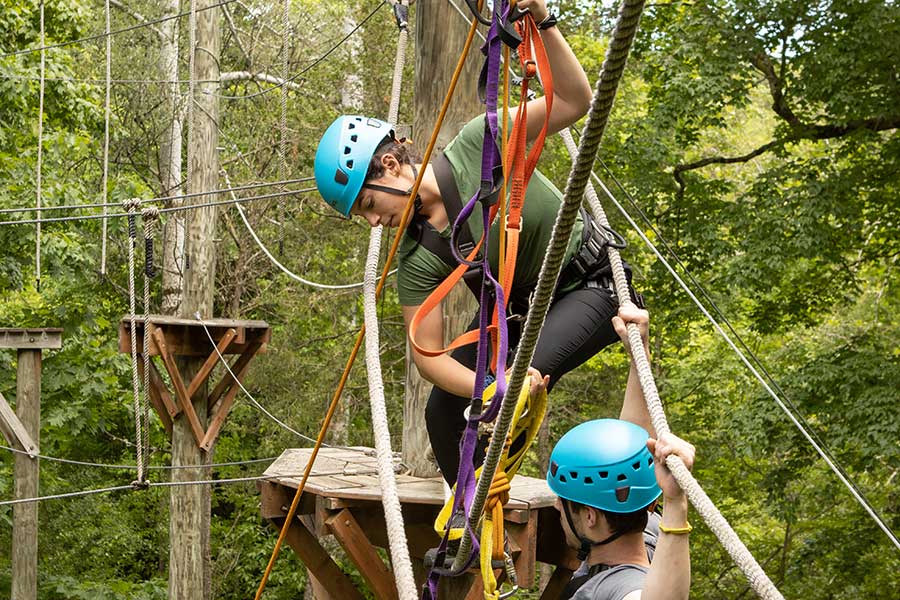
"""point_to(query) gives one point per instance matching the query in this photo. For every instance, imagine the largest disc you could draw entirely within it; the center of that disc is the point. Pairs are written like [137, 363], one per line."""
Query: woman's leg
[577, 326]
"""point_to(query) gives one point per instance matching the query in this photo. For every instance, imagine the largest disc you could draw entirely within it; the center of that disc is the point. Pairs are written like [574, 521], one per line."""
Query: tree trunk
[440, 35]
[170, 164]
[189, 553]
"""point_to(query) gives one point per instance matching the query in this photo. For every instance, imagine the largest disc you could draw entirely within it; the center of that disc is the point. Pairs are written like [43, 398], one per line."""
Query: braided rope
[739, 553]
[393, 513]
[282, 121]
[150, 221]
[40, 157]
[601, 106]
[104, 184]
[131, 206]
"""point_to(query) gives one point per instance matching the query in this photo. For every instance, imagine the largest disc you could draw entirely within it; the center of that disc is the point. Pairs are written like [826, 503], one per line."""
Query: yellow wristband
[677, 530]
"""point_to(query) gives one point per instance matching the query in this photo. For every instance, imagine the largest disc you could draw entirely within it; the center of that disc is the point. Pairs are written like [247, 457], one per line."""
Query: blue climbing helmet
[343, 157]
[605, 464]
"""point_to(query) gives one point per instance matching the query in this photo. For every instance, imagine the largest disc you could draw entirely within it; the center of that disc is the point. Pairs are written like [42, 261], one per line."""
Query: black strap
[425, 234]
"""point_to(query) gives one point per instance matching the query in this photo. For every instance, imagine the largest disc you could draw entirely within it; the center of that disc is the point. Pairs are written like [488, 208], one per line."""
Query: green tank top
[420, 271]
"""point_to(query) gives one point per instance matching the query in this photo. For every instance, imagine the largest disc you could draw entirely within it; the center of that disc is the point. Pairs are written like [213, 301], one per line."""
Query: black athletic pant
[577, 327]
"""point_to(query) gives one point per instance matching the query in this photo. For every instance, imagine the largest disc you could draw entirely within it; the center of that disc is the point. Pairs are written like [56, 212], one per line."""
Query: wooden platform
[171, 338]
[343, 498]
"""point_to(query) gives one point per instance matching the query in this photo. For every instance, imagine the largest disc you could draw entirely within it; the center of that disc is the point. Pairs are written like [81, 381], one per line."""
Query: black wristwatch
[548, 22]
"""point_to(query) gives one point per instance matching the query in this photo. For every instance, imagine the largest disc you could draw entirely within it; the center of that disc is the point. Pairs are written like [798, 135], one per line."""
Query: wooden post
[27, 473]
[189, 525]
[440, 35]
[26, 470]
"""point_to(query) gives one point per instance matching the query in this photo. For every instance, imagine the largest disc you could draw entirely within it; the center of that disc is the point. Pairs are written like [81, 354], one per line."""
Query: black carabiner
[614, 239]
[473, 6]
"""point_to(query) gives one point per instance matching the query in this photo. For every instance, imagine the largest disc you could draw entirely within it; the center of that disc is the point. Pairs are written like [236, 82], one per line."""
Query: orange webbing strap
[522, 168]
[292, 511]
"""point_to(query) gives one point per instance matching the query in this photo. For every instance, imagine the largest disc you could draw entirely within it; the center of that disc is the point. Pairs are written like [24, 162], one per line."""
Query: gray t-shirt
[617, 582]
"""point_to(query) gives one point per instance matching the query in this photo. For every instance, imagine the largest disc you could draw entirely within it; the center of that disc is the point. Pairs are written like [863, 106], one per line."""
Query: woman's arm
[670, 571]
[634, 407]
[572, 93]
[443, 371]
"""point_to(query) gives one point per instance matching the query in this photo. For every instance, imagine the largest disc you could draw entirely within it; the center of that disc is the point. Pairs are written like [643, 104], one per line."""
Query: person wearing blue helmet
[362, 170]
[608, 475]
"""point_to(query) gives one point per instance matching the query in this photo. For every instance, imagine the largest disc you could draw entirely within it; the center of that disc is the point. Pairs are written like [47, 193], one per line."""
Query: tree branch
[799, 130]
[248, 76]
[137, 17]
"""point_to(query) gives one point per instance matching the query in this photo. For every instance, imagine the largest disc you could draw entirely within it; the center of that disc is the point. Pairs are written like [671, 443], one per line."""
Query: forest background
[758, 140]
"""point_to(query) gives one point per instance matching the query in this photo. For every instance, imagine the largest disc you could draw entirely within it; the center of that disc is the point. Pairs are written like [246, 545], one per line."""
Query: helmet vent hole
[621, 477]
[554, 467]
[603, 474]
[346, 149]
[622, 494]
[562, 478]
[351, 125]
[573, 474]
[636, 466]
[354, 137]
[649, 461]
[349, 164]
[588, 481]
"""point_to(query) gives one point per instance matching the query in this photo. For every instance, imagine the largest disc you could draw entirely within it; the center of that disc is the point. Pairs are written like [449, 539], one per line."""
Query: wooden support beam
[211, 361]
[49, 338]
[215, 424]
[238, 368]
[27, 475]
[155, 394]
[361, 551]
[525, 537]
[156, 381]
[15, 433]
[307, 547]
[556, 585]
[184, 400]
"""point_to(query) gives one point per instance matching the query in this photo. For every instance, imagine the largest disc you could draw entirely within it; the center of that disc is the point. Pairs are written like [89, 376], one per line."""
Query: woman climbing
[362, 169]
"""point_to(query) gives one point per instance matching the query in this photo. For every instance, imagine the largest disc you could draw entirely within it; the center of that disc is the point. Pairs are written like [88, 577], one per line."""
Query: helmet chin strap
[417, 206]
[585, 549]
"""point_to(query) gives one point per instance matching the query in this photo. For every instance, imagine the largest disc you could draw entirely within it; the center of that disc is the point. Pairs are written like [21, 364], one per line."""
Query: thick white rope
[778, 400]
[393, 513]
[40, 157]
[739, 553]
[283, 122]
[275, 261]
[132, 206]
[104, 183]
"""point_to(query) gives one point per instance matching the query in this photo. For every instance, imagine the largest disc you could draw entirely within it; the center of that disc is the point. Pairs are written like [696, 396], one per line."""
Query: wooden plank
[351, 536]
[180, 391]
[15, 433]
[31, 339]
[525, 537]
[26, 472]
[275, 499]
[211, 361]
[557, 583]
[189, 339]
[212, 430]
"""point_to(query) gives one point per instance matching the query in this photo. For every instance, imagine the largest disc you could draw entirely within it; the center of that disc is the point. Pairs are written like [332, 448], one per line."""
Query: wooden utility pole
[440, 35]
[23, 431]
[189, 525]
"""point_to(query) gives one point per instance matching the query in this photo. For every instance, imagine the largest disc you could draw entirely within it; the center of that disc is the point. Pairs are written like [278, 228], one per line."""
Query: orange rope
[292, 511]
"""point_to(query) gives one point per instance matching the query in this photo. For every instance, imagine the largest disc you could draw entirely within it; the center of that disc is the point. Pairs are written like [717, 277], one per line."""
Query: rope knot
[150, 216]
[140, 484]
[131, 204]
[499, 491]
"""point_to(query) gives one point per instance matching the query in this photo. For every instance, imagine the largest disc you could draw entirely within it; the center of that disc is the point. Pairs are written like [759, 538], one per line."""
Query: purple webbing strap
[490, 159]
